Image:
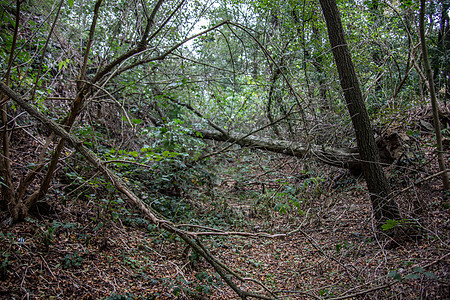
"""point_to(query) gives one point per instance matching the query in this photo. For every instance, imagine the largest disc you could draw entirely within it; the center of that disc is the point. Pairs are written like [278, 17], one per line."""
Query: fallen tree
[339, 157]
[347, 158]
[389, 146]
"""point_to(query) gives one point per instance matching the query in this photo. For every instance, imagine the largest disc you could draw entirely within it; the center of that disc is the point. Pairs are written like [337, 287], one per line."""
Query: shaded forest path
[86, 249]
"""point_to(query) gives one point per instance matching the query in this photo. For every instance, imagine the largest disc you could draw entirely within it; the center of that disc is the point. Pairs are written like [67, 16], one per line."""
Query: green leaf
[146, 149]
[136, 121]
[206, 289]
[390, 224]
[70, 3]
[173, 154]
[418, 269]
[176, 291]
[429, 275]
[99, 225]
[133, 153]
[201, 275]
[406, 3]
[60, 65]
[412, 276]
[396, 275]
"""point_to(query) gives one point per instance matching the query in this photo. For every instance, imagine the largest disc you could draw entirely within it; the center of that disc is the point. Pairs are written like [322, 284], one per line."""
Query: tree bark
[380, 193]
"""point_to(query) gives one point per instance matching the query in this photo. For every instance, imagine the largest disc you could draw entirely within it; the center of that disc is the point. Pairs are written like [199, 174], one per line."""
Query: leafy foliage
[268, 69]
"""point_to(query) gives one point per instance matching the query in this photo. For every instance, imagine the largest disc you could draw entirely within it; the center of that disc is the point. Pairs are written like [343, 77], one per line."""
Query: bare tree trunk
[434, 103]
[380, 192]
[271, 97]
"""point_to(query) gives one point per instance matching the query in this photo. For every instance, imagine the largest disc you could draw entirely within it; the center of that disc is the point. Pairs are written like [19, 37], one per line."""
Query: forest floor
[87, 248]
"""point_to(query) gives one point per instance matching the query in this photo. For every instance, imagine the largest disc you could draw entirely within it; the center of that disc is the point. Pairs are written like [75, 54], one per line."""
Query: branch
[113, 99]
[366, 291]
[90, 39]
[422, 180]
[41, 61]
[201, 63]
[165, 54]
[291, 88]
[150, 22]
[165, 22]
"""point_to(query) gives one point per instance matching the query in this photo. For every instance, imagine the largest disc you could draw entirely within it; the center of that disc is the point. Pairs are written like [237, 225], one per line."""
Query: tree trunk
[339, 157]
[380, 193]
[434, 103]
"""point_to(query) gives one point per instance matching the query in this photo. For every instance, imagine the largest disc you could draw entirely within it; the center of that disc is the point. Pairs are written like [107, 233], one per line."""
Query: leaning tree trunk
[384, 206]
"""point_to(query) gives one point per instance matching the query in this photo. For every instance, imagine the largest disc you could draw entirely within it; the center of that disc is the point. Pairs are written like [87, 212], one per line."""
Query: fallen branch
[365, 292]
[423, 180]
[339, 157]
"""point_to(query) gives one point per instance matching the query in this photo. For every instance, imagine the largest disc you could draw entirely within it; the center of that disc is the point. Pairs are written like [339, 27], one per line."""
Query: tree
[383, 205]
[434, 103]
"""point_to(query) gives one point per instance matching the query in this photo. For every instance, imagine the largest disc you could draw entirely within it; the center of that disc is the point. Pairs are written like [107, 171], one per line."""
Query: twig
[436, 261]
[291, 88]
[259, 283]
[41, 61]
[83, 184]
[422, 180]
[112, 98]
[366, 291]
[162, 56]
[122, 161]
[217, 232]
[48, 267]
[201, 63]
[318, 248]
[236, 233]
[297, 292]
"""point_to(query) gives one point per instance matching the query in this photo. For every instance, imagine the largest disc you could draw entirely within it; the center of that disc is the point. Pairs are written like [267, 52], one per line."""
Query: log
[347, 158]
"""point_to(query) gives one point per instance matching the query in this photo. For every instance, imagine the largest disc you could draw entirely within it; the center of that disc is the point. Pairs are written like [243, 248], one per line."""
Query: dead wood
[339, 157]
[347, 158]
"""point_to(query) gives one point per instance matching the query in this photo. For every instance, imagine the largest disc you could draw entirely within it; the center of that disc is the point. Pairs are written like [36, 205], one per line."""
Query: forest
[224, 149]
